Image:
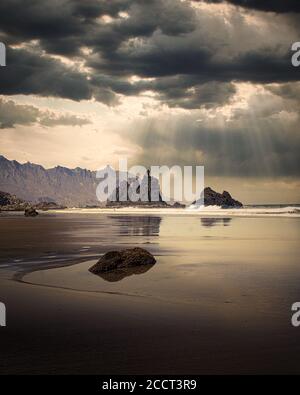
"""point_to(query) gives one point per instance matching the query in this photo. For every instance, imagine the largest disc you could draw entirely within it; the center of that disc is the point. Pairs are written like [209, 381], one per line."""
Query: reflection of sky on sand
[246, 265]
[245, 269]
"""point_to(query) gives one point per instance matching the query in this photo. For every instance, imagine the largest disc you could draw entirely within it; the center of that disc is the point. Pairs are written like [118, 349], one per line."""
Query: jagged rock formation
[147, 188]
[224, 200]
[6, 199]
[10, 202]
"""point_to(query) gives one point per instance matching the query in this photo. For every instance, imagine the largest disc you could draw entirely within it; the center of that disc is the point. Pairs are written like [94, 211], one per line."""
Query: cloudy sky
[161, 82]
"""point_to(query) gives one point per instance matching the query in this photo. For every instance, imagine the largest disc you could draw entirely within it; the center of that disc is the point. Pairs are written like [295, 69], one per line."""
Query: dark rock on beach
[129, 258]
[30, 212]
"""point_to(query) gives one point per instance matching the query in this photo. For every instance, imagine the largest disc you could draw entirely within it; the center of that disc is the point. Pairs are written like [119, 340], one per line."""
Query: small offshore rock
[30, 212]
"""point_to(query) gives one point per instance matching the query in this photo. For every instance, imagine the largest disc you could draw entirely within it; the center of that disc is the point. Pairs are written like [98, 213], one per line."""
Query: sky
[160, 82]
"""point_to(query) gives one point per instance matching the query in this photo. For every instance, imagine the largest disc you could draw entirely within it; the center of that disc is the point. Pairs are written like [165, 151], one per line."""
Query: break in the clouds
[180, 80]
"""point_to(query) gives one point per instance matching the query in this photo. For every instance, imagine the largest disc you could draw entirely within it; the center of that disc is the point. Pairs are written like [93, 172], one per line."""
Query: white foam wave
[250, 211]
[288, 211]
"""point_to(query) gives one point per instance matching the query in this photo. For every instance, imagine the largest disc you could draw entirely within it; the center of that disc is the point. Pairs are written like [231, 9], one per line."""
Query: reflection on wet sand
[137, 225]
[209, 222]
[215, 291]
[120, 274]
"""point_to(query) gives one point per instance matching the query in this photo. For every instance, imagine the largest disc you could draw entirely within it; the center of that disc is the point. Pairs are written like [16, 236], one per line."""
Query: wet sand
[217, 301]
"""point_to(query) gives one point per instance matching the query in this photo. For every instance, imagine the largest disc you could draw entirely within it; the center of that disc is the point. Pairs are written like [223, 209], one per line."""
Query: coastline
[210, 211]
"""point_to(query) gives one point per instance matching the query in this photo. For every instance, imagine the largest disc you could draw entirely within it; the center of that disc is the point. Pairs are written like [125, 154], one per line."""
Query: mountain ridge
[33, 182]
[77, 187]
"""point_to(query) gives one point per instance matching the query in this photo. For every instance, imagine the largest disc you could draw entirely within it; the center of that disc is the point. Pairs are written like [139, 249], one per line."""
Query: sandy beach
[218, 300]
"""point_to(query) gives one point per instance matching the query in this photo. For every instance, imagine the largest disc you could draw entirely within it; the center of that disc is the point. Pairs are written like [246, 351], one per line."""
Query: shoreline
[284, 212]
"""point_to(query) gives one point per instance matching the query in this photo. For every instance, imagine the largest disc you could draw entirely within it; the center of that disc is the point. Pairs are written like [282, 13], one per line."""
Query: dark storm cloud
[279, 6]
[30, 73]
[199, 62]
[189, 78]
[62, 26]
[91, 9]
[187, 56]
[192, 57]
[12, 114]
[171, 17]
[58, 24]
[182, 92]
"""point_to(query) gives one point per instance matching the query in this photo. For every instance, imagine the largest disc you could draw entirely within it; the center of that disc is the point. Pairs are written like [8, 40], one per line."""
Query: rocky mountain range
[34, 183]
[66, 187]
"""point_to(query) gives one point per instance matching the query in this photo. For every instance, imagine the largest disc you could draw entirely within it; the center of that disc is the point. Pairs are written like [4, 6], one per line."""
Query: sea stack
[224, 200]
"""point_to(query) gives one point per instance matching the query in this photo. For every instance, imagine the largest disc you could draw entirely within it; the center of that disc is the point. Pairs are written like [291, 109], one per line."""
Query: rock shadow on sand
[119, 274]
